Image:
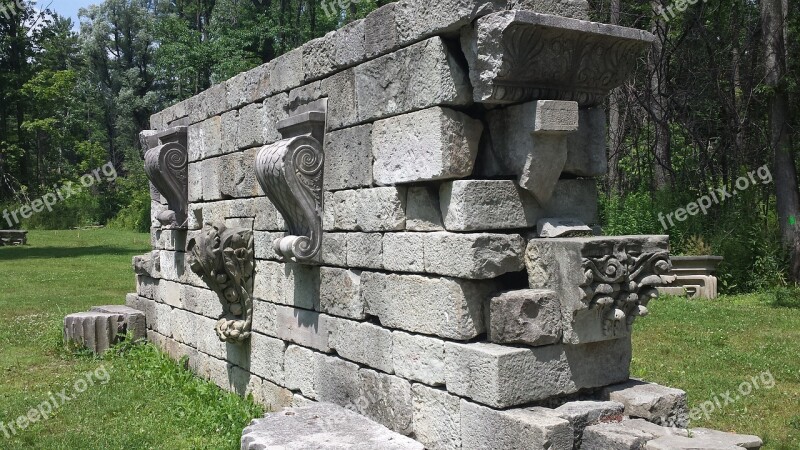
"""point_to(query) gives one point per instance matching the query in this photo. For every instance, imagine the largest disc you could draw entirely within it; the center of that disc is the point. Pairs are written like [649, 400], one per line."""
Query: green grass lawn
[707, 348]
[147, 400]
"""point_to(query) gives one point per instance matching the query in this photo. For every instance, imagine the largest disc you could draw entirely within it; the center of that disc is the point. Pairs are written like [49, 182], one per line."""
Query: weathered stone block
[432, 144]
[478, 205]
[210, 168]
[531, 317]
[501, 377]
[299, 365]
[337, 381]
[208, 103]
[582, 414]
[133, 321]
[416, 77]
[286, 71]
[230, 131]
[365, 250]
[445, 307]
[386, 399]
[587, 147]
[205, 139]
[423, 209]
[486, 428]
[340, 293]
[614, 436]
[370, 210]
[337, 50]
[287, 284]
[265, 318]
[348, 158]
[266, 357]
[603, 283]
[342, 106]
[361, 342]
[473, 256]
[437, 418]
[334, 249]
[306, 328]
[404, 252]
[381, 31]
[418, 358]
[649, 401]
[257, 122]
[322, 426]
[96, 331]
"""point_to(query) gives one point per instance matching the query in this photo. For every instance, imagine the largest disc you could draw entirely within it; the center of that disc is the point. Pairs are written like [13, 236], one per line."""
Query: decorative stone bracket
[167, 166]
[290, 173]
[603, 283]
[224, 258]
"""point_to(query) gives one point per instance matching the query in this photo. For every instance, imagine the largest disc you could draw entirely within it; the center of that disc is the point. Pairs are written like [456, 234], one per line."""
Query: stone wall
[433, 305]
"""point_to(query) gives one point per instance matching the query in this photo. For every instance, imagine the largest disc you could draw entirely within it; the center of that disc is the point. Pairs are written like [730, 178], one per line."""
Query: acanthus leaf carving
[224, 258]
[167, 167]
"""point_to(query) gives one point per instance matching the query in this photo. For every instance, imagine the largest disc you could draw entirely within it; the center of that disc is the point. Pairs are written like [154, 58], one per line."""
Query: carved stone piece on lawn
[224, 258]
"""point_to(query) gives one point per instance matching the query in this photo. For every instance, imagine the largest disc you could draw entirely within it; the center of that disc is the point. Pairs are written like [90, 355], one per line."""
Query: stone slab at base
[13, 237]
[322, 426]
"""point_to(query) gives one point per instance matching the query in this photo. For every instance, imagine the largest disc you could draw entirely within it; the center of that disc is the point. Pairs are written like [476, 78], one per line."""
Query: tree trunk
[658, 111]
[785, 172]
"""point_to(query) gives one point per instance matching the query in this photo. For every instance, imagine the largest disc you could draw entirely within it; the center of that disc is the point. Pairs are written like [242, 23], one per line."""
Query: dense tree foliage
[715, 100]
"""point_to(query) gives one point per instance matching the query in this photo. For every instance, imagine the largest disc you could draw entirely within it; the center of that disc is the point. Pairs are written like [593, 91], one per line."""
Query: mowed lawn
[708, 348]
[131, 399]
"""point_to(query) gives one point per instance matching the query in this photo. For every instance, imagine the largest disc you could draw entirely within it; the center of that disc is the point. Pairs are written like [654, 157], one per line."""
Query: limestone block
[184, 326]
[582, 414]
[163, 319]
[423, 213]
[603, 283]
[169, 239]
[432, 144]
[381, 31]
[418, 358]
[257, 122]
[322, 426]
[302, 327]
[386, 399]
[370, 210]
[286, 71]
[649, 401]
[195, 180]
[587, 147]
[328, 212]
[336, 381]
[420, 76]
[473, 256]
[205, 139]
[337, 50]
[486, 428]
[268, 394]
[237, 175]
[482, 205]
[348, 158]
[334, 249]
[365, 250]
[265, 318]
[208, 103]
[437, 418]
[741, 440]
[501, 376]
[200, 301]
[340, 293]
[266, 357]
[133, 320]
[169, 292]
[342, 106]
[248, 87]
[444, 307]
[97, 331]
[361, 342]
[614, 436]
[553, 228]
[299, 368]
[290, 284]
[684, 443]
[404, 252]
[263, 242]
[211, 170]
[267, 216]
[531, 317]
[230, 131]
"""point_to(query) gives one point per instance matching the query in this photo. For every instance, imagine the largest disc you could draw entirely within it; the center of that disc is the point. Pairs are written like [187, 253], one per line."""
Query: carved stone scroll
[290, 173]
[224, 258]
[167, 168]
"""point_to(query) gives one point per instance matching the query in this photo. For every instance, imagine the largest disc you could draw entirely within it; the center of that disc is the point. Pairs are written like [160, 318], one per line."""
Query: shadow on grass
[12, 253]
[787, 298]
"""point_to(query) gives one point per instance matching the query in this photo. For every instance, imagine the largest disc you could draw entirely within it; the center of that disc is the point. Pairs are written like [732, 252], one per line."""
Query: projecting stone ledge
[322, 426]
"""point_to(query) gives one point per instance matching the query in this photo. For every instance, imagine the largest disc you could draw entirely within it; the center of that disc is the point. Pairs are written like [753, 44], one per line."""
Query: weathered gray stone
[230, 130]
[587, 147]
[263, 241]
[653, 429]
[210, 168]
[348, 158]
[423, 212]
[205, 139]
[480, 205]
[322, 426]
[286, 71]
[531, 317]
[258, 122]
[516, 429]
[432, 144]
[337, 381]
[386, 399]
[264, 318]
[614, 436]
[655, 403]
[365, 250]
[437, 418]
[337, 50]
[473, 256]
[445, 307]
[501, 376]
[582, 414]
[97, 331]
[342, 106]
[418, 358]
[362, 342]
[404, 252]
[287, 284]
[381, 31]
[553, 228]
[340, 293]
[302, 327]
[248, 87]
[265, 393]
[741, 440]
[417, 77]
[299, 365]
[133, 320]
[208, 103]
[684, 443]
[266, 357]
[370, 210]
[334, 249]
